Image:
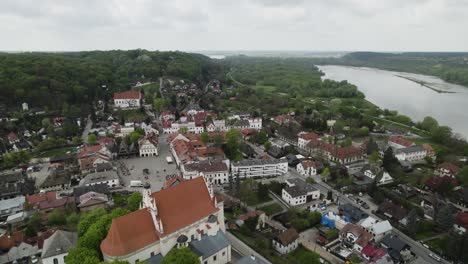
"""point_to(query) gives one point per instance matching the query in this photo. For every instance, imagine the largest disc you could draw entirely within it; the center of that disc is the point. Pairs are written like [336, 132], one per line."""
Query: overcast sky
[315, 25]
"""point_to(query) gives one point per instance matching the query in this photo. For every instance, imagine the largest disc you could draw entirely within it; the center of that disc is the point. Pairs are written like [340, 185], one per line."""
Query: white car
[434, 256]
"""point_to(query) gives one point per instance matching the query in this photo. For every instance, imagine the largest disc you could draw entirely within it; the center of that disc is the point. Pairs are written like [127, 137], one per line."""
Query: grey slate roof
[98, 188]
[352, 212]
[156, 259]
[100, 177]
[411, 149]
[300, 187]
[209, 245]
[60, 242]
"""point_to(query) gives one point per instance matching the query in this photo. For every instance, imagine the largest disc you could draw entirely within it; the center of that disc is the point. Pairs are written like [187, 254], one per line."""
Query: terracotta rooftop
[177, 206]
[127, 95]
[309, 136]
[308, 164]
[129, 233]
[401, 141]
[183, 204]
[462, 219]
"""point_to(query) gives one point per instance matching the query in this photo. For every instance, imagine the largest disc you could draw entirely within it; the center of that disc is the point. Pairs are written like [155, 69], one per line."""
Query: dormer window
[182, 241]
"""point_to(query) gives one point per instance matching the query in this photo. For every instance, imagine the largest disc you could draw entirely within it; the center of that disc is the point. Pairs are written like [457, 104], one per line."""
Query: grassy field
[252, 199]
[265, 88]
[52, 152]
[271, 209]
[437, 244]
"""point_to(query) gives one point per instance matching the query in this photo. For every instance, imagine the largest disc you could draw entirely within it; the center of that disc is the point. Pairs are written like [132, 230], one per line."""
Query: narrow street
[89, 125]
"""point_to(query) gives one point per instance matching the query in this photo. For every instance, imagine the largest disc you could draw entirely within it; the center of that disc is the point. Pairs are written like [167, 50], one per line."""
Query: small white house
[286, 242]
[109, 177]
[57, 246]
[307, 168]
[25, 107]
[299, 192]
[148, 146]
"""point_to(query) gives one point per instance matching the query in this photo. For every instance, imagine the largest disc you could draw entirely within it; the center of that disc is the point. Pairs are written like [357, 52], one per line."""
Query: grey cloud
[232, 25]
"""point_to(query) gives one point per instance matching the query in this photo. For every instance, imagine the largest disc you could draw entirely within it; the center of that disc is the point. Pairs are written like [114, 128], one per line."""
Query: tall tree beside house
[444, 217]
[429, 123]
[371, 146]
[412, 222]
[134, 201]
[374, 158]
[181, 255]
[390, 163]
[80, 255]
[92, 139]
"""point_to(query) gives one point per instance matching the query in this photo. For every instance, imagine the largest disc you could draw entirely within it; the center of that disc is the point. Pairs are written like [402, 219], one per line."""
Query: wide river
[388, 91]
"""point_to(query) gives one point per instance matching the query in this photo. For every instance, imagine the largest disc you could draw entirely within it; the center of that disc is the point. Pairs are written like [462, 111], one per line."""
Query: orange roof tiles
[129, 233]
[183, 204]
[127, 95]
[177, 206]
[401, 141]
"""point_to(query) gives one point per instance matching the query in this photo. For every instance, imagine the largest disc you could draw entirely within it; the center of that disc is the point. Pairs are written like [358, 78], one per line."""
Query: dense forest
[449, 66]
[298, 77]
[78, 78]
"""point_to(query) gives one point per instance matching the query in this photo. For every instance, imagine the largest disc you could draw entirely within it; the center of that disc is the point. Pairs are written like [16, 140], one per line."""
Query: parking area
[157, 168]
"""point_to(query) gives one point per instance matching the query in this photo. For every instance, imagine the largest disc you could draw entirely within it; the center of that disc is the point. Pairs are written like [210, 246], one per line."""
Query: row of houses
[314, 145]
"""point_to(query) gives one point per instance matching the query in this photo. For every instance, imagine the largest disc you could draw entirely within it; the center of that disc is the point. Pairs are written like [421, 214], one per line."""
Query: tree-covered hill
[50, 79]
[449, 66]
[298, 77]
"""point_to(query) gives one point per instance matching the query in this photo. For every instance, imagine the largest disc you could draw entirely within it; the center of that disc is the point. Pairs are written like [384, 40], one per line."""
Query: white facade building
[127, 99]
[299, 192]
[307, 168]
[216, 125]
[259, 168]
[56, 247]
[215, 172]
[286, 242]
[148, 146]
[411, 154]
[109, 177]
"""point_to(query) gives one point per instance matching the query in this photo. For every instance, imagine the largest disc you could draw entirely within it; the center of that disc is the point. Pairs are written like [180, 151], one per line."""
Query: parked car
[434, 256]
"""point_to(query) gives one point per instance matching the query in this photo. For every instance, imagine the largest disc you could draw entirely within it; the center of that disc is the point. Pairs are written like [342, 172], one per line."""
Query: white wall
[60, 259]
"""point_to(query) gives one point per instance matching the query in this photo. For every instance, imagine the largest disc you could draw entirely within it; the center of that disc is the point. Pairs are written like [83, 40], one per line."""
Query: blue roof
[209, 245]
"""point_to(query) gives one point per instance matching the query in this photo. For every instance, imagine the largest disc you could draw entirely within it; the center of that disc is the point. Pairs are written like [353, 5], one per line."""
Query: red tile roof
[309, 136]
[308, 164]
[429, 149]
[89, 150]
[127, 95]
[401, 141]
[177, 206]
[462, 219]
[12, 136]
[7, 241]
[452, 168]
[129, 233]
[44, 201]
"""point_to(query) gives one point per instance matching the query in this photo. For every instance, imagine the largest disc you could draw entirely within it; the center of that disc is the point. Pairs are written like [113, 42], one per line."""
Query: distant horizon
[240, 50]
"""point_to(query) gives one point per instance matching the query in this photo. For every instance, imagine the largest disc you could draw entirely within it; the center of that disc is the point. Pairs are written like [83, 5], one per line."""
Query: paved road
[88, 126]
[244, 249]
